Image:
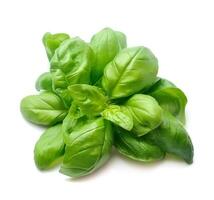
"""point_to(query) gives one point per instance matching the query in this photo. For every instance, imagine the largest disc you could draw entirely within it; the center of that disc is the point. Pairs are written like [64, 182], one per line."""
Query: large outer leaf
[88, 147]
[91, 99]
[146, 113]
[106, 44]
[44, 82]
[49, 147]
[71, 64]
[136, 148]
[132, 70]
[170, 98]
[52, 42]
[44, 109]
[172, 137]
[119, 115]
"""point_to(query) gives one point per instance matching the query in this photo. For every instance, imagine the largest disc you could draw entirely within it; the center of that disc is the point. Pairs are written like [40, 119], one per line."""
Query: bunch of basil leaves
[102, 94]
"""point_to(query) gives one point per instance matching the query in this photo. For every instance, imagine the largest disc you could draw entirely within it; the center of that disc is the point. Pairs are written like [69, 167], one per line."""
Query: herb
[102, 94]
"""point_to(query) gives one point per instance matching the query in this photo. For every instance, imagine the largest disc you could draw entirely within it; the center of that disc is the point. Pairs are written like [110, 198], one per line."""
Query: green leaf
[136, 148]
[49, 147]
[146, 113]
[75, 58]
[106, 44]
[71, 64]
[172, 137]
[132, 70]
[90, 99]
[74, 117]
[44, 82]
[60, 87]
[160, 84]
[119, 115]
[121, 37]
[88, 148]
[44, 109]
[170, 98]
[52, 42]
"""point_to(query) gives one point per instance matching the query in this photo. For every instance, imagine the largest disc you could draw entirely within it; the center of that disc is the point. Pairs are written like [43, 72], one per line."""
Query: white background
[180, 33]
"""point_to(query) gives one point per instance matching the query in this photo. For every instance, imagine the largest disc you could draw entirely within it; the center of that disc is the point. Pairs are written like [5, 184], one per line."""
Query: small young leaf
[172, 137]
[146, 113]
[90, 99]
[44, 109]
[74, 117]
[88, 148]
[136, 148]
[49, 147]
[119, 115]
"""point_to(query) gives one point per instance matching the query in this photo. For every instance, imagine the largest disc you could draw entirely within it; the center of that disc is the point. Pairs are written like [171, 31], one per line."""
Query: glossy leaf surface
[172, 137]
[43, 109]
[137, 148]
[49, 147]
[131, 71]
[146, 113]
[88, 148]
[106, 44]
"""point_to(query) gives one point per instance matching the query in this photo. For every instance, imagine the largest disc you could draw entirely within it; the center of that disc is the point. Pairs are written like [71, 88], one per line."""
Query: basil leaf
[90, 99]
[52, 42]
[160, 84]
[119, 115]
[170, 98]
[131, 71]
[106, 44]
[136, 148]
[44, 82]
[60, 87]
[74, 117]
[121, 37]
[49, 147]
[75, 58]
[44, 109]
[71, 64]
[146, 113]
[172, 137]
[88, 148]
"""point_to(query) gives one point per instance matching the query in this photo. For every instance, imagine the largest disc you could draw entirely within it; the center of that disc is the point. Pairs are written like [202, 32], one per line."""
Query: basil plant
[101, 94]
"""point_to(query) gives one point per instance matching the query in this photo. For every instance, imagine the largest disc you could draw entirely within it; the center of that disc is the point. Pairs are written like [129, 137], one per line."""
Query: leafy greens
[102, 94]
